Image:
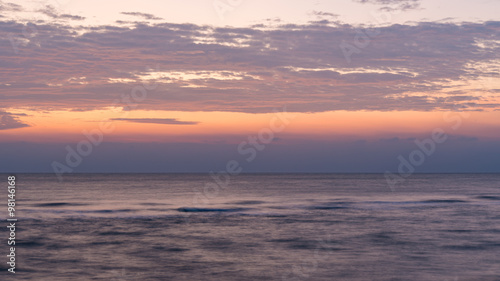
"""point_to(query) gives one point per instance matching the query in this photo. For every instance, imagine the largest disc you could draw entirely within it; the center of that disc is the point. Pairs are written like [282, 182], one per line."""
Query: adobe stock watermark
[222, 7]
[58, 3]
[124, 275]
[76, 154]
[363, 37]
[426, 147]
[248, 149]
[29, 35]
[309, 265]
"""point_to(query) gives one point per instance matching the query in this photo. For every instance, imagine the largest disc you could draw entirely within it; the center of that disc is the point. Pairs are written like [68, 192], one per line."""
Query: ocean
[254, 227]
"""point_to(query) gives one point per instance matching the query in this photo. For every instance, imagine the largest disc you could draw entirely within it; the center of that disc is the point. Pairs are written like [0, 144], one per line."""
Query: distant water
[259, 227]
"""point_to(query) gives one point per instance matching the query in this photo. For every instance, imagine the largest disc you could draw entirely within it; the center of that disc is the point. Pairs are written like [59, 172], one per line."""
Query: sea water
[254, 227]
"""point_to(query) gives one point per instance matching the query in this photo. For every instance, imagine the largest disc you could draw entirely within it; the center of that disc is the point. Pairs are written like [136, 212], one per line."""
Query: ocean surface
[254, 227]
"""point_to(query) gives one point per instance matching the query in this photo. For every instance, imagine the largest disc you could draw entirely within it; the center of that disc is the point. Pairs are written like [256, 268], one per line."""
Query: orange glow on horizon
[61, 126]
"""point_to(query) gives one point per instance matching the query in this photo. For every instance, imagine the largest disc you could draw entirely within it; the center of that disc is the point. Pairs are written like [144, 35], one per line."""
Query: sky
[399, 86]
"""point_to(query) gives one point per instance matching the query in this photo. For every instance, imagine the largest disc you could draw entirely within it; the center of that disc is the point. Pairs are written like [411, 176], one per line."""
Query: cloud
[10, 7]
[10, 121]
[320, 14]
[142, 15]
[425, 66]
[324, 18]
[393, 5]
[51, 12]
[166, 121]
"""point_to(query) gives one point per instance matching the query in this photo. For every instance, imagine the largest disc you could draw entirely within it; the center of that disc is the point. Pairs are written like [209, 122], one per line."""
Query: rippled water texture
[258, 227]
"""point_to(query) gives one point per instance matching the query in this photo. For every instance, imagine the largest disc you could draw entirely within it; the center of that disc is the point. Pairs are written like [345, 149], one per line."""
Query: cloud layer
[458, 155]
[315, 67]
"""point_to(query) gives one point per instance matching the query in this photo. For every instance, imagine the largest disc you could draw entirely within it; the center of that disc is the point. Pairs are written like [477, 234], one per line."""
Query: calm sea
[255, 227]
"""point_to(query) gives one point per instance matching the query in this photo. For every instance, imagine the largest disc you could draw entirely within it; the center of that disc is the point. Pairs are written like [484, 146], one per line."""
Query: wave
[430, 201]
[60, 204]
[109, 211]
[248, 202]
[327, 207]
[201, 210]
[443, 201]
[488, 197]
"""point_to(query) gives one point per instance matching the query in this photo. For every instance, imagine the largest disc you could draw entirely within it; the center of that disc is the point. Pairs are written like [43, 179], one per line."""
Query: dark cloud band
[165, 121]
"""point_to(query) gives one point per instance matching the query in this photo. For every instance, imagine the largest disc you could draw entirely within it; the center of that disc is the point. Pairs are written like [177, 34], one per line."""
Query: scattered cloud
[51, 12]
[11, 121]
[393, 5]
[142, 15]
[324, 18]
[10, 7]
[320, 14]
[165, 121]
